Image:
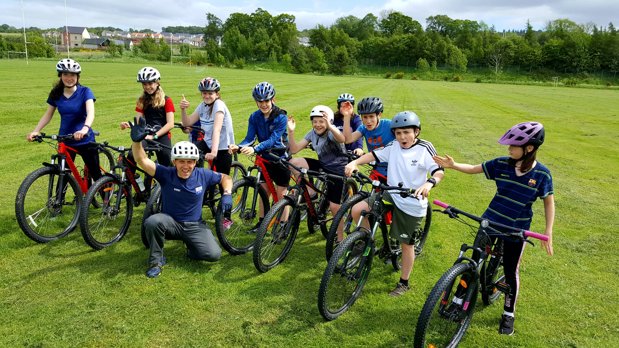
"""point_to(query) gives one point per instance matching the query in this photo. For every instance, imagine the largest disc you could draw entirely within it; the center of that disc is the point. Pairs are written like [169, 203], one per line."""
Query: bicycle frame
[64, 156]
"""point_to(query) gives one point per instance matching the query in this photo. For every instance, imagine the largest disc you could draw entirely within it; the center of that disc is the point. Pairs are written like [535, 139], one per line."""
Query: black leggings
[222, 163]
[90, 156]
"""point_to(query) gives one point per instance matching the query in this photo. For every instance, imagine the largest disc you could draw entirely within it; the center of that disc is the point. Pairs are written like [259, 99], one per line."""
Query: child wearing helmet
[520, 180]
[182, 193]
[216, 122]
[377, 131]
[267, 125]
[355, 121]
[76, 105]
[158, 111]
[410, 163]
[328, 143]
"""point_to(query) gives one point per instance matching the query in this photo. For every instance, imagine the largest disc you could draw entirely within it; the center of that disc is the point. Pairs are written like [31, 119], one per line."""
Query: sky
[155, 14]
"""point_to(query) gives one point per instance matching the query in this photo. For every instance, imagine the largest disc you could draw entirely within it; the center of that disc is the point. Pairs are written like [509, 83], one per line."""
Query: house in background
[74, 36]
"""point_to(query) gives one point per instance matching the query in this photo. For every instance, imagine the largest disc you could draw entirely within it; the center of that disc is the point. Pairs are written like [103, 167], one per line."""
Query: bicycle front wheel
[275, 236]
[45, 208]
[442, 322]
[107, 223]
[345, 275]
[236, 235]
[343, 217]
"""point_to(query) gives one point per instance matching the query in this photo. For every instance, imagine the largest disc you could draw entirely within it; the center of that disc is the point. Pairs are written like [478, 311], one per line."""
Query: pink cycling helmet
[524, 134]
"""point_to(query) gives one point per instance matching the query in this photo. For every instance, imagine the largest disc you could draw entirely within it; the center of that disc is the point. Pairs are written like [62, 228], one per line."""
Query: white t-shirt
[411, 167]
[207, 121]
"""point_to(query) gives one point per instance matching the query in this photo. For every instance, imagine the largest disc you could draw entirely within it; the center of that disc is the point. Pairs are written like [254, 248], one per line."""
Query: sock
[404, 281]
[509, 314]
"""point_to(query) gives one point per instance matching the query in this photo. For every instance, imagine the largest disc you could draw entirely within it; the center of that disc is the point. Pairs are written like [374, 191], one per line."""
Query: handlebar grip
[440, 204]
[536, 235]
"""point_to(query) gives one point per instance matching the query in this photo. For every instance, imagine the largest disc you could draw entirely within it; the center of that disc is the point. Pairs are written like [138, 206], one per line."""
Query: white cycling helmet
[148, 74]
[68, 65]
[185, 150]
[318, 111]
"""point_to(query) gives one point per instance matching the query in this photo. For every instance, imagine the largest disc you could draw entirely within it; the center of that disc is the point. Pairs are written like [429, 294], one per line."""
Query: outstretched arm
[549, 212]
[448, 162]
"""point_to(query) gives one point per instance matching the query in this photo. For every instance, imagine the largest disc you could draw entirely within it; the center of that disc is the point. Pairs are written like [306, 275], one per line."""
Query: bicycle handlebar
[453, 211]
[403, 191]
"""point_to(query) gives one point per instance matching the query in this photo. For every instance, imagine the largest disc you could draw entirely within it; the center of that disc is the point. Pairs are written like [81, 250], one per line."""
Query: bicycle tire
[442, 325]
[153, 206]
[237, 171]
[345, 275]
[349, 225]
[422, 234]
[237, 239]
[38, 214]
[493, 272]
[106, 224]
[275, 239]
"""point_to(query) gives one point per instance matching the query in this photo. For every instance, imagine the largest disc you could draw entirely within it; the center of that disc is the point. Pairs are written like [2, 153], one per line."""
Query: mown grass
[64, 294]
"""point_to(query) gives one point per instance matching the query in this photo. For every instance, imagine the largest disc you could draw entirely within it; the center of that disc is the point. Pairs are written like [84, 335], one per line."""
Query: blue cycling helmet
[405, 119]
[263, 91]
[370, 105]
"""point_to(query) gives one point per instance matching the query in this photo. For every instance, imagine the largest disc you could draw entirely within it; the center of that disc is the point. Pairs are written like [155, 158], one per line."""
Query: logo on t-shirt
[532, 182]
[414, 163]
[198, 189]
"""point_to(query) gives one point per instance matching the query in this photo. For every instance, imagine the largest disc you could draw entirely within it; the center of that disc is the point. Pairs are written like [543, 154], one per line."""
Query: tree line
[393, 39]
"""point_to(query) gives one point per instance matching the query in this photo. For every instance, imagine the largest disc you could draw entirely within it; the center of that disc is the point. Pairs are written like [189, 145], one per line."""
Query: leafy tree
[213, 29]
[396, 23]
[456, 59]
[500, 54]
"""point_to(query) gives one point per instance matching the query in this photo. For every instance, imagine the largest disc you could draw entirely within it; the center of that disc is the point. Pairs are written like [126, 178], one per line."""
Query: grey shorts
[403, 226]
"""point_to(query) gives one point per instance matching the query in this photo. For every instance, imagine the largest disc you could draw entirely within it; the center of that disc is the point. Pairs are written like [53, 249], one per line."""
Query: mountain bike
[249, 199]
[275, 237]
[448, 310]
[348, 225]
[105, 224]
[48, 201]
[349, 267]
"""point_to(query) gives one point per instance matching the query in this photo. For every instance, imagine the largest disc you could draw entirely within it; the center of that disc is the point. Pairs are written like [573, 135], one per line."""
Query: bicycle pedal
[502, 287]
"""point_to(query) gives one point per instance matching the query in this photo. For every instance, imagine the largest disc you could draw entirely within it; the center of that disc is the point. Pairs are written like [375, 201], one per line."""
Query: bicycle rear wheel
[441, 322]
[236, 237]
[45, 211]
[493, 272]
[275, 237]
[345, 275]
[422, 234]
[107, 223]
[348, 224]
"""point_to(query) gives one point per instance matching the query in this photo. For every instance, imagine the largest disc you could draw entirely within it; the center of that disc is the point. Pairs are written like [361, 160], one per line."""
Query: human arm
[293, 146]
[45, 119]
[448, 162]
[187, 120]
[279, 128]
[352, 166]
[90, 118]
[337, 135]
[549, 212]
[138, 132]
[350, 136]
[169, 118]
[424, 189]
[217, 125]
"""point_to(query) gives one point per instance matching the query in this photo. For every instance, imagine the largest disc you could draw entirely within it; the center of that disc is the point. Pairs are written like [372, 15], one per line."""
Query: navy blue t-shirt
[511, 205]
[182, 198]
[72, 112]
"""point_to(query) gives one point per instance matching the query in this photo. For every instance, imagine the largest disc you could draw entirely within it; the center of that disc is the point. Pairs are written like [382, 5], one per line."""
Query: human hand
[248, 150]
[138, 129]
[80, 134]
[31, 135]
[210, 156]
[232, 149]
[350, 168]
[124, 125]
[358, 152]
[445, 162]
[184, 104]
[547, 245]
[226, 203]
[423, 190]
[346, 109]
[292, 124]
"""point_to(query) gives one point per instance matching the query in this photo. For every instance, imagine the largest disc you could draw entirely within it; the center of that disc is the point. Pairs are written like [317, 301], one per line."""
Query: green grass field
[65, 294]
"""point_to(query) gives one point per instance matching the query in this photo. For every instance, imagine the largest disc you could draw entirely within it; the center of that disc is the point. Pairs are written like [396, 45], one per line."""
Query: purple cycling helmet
[524, 134]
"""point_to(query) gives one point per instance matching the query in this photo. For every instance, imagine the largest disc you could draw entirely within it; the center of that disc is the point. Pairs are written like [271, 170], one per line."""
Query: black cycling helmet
[370, 105]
